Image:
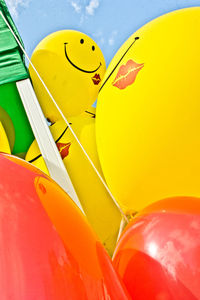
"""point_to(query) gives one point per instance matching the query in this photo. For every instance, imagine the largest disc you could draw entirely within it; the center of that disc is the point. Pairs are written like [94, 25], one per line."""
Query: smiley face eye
[93, 48]
[82, 41]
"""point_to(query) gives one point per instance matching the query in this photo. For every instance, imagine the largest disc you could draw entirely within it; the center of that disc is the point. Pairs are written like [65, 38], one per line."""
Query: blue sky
[108, 22]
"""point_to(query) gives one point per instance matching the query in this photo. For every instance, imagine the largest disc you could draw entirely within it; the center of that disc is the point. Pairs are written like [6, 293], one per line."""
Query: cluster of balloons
[72, 66]
[143, 138]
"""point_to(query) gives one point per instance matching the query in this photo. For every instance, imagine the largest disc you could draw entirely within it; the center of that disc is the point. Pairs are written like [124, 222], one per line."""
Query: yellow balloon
[99, 208]
[72, 66]
[4, 143]
[8, 129]
[148, 113]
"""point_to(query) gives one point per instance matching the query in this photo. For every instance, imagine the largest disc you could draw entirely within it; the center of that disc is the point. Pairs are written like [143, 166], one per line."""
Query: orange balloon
[47, 260]
[70, 223]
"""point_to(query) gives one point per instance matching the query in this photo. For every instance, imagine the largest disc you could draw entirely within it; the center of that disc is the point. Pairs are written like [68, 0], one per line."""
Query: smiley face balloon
[72, 66]
[148, 124]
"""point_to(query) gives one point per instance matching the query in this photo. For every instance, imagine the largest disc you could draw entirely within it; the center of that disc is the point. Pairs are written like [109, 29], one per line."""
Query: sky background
[109, 23]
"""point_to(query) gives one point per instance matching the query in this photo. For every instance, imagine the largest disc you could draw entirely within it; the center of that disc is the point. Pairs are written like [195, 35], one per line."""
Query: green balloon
[11, 102]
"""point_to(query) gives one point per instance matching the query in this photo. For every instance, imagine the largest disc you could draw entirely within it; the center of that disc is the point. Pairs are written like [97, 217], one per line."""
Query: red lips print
[127, 74]
[63, 149]
[96, 79]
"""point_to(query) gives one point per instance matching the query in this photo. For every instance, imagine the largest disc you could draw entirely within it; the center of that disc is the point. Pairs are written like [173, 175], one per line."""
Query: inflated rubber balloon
[44, 260]
[72, 66]
[148, 125]
[99, 208]
[8, 127]
[4, 143]
[158, 255]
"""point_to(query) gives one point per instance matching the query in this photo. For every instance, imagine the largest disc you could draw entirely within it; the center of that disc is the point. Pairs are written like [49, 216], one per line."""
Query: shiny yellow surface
[97, 204]
[4, 143]
[8, 126]
[148, 133]
[67, 61]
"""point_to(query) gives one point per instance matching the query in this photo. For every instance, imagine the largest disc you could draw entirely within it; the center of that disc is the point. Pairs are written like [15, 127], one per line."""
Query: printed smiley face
[76, 66]
[72, 66]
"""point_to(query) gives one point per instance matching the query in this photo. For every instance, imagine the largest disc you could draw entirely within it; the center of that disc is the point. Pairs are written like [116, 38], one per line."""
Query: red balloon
[36, 262]
[158, 255]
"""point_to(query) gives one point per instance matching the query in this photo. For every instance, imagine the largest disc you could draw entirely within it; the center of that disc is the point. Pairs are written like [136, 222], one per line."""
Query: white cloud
[99, 37]
[111, 39]
[90, 8]
[84, 8]
[77, 7]
[15, 5]
[102, 39]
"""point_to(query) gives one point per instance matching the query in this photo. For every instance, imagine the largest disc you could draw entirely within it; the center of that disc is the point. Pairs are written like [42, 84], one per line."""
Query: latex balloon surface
[148, 113]
[41, 259]
[9, 130]
[158, 255]
[99, 208]
[4, 142]
[72, 66]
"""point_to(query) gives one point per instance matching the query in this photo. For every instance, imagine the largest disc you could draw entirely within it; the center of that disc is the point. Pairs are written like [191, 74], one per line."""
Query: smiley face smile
[62, 147]
[82, 70]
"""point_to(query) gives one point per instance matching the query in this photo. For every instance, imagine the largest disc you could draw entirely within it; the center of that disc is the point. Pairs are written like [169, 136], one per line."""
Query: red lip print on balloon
[96, 79]
[63, 149]
[127, 74]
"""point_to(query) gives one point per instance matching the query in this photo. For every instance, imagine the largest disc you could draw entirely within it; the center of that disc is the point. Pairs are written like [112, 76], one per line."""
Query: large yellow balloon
[72, 66]
[148, 113]
[97, 204]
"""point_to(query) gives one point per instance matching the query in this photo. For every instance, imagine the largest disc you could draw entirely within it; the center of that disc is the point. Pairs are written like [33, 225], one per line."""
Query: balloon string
[135, 39]
[64, 118]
